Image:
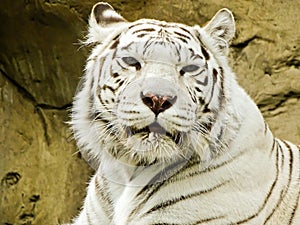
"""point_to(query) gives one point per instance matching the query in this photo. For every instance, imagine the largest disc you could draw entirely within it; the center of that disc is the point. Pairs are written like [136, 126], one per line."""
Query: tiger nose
[158, 103]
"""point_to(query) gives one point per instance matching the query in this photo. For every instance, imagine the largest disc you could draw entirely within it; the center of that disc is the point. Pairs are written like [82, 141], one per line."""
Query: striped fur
[175, 139]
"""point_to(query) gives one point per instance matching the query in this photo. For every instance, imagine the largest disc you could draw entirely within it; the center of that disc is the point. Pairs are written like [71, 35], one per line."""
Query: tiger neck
[243, 126]
[122, 172]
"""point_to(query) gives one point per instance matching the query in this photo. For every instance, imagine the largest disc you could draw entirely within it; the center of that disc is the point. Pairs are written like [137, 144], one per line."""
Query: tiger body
[176, 140]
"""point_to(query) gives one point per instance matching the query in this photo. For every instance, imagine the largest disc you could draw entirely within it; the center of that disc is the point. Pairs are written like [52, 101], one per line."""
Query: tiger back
[175, 139]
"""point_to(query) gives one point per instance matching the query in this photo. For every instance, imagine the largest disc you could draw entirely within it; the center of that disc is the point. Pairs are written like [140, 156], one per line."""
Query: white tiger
[176, 139]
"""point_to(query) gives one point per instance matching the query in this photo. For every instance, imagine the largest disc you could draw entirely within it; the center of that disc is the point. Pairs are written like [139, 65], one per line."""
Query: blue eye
[130, 61]
[189, 69]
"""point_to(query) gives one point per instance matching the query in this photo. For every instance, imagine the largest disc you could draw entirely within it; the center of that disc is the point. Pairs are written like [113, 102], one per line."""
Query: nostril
[148, 102]
[157, 103]
[167, 103]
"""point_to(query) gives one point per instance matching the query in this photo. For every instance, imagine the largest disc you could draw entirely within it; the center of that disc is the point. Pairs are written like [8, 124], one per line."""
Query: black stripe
[202, 71]
[182, 39]
[209, 169]
[282, 155]
[129, 111]
[102, 62]
[195, 56]
[284, 191]
[115, 75]
[176, 124]
[160, 174]
[204, 83]
[273, 146]
[146, 45]
[202, 101]
[297, 201]
[120, 65]
[298, 198]
[173, 201]
[205, 53]
[215, 77]
[207, 127]
[266, 198]
[206, 220]
[159, 24]
[142, 35]
[120, 84]
[178, 50]
[144, 30]
[102, 102]
[193, 223]
[154, 186]
[116, 37]
[219, 136]
[182, 35]
[133, 119]
[182, 117]
[115, 44]
[295, 208]
[89, 220]
[92, 83]
[184, 29]
[266, 128]
[193, 95]
[144, 23]
[165, 224]
[96, 116]
[108, 87]
[104, 196]
[167, 171]
[222, 92]
[127, 46]
[198, 89]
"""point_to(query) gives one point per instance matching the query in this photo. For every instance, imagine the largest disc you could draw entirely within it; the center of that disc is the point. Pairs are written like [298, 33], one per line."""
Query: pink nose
[158, 103]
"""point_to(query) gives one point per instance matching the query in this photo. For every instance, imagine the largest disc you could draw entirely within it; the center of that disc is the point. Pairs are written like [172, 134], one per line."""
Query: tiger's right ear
[104, 21]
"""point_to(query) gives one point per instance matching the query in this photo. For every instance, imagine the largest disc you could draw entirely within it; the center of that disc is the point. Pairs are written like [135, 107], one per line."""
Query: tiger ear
[221, 28]
[103, 22]
[105, 15]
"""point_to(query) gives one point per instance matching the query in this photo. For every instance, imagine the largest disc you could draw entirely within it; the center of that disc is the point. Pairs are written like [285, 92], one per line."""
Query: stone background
[43, 177]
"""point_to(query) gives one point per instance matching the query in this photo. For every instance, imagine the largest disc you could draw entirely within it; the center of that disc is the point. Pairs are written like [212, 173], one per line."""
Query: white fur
[233, 178]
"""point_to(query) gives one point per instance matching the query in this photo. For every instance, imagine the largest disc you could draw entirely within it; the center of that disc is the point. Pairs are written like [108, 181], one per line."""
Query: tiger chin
[173, 137]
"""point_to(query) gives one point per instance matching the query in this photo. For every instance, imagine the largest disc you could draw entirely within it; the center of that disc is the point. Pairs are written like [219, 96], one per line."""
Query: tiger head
[153, 90]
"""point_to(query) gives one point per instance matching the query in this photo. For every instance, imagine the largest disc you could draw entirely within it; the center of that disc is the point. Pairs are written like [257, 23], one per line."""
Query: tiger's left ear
[104, 22]
[221, 28]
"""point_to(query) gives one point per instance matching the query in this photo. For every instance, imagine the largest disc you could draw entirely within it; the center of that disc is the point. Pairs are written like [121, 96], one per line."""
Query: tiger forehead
[157, 27]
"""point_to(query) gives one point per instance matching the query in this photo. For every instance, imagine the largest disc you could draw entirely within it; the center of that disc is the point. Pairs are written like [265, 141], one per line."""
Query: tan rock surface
[43, 179]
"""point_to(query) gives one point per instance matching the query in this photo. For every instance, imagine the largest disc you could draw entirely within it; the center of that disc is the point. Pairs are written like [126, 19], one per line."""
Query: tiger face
[154, 89]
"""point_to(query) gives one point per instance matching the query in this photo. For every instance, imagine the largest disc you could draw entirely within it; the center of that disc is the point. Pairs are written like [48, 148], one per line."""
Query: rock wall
[43, 177]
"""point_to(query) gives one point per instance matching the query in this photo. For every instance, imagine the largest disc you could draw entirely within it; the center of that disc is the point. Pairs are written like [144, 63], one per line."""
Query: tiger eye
[130, 61]
[189, 69]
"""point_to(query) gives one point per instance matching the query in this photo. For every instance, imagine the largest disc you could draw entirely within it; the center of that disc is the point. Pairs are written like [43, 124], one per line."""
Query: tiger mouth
[157, 130]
